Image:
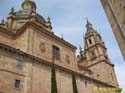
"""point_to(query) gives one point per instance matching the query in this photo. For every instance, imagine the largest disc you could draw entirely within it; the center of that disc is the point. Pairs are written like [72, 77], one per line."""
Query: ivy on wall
[53, 80]
[74, 85]
[54, 83]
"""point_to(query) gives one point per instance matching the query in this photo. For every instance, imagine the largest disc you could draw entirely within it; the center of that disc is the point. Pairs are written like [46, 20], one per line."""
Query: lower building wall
[64, 81]
[35, 77]
[7, 82]
[41, 80]
[85, 86]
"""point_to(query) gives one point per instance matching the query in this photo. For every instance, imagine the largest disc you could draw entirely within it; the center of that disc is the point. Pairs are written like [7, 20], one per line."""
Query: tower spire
[88, 25]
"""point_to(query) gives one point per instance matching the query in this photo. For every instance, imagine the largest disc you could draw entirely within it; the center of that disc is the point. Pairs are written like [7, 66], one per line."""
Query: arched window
[90, 42]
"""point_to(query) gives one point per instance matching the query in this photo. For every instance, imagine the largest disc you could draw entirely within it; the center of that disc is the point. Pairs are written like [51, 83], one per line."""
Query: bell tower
[95, 57]
[94, 45]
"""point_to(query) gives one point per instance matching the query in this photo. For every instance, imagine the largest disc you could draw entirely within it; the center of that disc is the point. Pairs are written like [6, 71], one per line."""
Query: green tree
[53, 80]
[74, 85]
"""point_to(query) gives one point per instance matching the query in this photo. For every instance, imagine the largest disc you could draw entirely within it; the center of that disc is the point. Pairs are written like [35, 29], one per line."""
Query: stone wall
[104, 72]
[115, 14]
[35, 77]
[10, 71]
[31, 41]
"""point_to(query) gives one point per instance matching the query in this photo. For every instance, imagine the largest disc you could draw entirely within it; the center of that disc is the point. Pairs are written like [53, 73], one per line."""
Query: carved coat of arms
[42, 47]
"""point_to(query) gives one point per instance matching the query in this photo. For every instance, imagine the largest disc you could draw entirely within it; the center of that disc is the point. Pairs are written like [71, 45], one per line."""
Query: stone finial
[49, 23]
[80, 48]
[12, 10]
[48, 20]
[11, 13]
[88, 25]
[62, 36]
[81, 52]
[33, 16]
[2, 21]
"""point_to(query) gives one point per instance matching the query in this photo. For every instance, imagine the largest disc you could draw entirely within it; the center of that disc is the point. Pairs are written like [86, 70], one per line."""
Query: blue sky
[69, 18]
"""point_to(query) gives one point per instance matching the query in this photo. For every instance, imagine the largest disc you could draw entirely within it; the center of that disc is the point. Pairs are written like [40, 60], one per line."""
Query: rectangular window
[17, 84]
[20, 60]
[56, 53]
[19, 63]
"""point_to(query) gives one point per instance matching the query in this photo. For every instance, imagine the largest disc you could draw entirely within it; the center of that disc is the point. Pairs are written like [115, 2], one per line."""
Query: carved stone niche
[68, 59]
[42, 47]
[20, 60]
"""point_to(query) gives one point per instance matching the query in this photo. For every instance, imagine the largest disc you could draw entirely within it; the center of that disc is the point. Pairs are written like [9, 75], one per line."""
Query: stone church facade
[28, 48]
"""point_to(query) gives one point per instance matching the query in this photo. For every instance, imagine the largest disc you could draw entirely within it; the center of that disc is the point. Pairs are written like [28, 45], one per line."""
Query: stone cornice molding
[38, 27]
[41, 61]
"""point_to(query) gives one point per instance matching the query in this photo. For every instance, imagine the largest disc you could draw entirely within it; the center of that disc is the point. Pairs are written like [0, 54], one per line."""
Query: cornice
[32, 24]
[6, 31]
[36, 59]
[101, 62]
[84, 68]
[21, 30]
[97, 44]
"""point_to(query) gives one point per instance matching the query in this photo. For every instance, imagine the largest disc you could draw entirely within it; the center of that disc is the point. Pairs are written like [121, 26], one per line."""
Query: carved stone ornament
[67, 59]
[42, 47]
